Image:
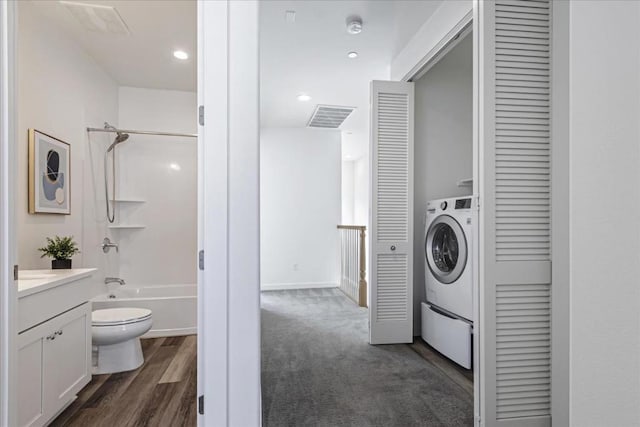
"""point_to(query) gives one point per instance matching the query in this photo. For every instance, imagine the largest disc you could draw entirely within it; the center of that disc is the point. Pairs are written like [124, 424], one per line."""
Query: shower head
[120, 136]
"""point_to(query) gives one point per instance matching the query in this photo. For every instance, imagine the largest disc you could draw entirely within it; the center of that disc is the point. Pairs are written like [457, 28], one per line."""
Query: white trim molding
[229, 233]
[8, 292]
[293, 286]
[560, 200]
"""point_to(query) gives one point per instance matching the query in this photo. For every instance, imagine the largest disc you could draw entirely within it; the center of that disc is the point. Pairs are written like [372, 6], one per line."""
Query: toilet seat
[119, 316]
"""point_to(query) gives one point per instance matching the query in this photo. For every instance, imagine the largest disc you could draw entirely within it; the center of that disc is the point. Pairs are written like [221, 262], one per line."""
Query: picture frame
[49, 174]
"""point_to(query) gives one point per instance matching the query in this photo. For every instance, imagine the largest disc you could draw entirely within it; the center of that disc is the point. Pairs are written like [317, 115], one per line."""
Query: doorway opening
[108, 159]
[316, 183]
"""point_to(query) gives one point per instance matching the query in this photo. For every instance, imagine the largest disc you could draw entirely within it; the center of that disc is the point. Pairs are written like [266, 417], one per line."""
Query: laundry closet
[443, 167]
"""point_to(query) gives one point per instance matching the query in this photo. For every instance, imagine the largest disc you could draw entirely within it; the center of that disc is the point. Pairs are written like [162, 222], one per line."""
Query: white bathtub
[174, 307]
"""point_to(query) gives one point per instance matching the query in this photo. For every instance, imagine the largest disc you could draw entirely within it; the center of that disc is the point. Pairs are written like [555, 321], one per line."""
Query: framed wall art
[49, 174]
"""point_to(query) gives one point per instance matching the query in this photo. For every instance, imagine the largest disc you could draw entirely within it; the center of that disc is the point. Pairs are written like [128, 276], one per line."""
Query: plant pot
[61, 264]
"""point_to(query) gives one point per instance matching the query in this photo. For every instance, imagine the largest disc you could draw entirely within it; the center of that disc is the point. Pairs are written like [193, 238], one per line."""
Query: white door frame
[560, 249]
[8, 291]
[469, 24]
[229, 191]
[212, 182]
[245, 235]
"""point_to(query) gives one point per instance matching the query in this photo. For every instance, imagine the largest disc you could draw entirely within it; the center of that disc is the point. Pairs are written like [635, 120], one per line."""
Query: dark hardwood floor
[459, 375]
[162, 392]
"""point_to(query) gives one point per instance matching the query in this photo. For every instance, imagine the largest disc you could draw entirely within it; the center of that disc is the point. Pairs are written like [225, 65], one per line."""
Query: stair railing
[353, 263]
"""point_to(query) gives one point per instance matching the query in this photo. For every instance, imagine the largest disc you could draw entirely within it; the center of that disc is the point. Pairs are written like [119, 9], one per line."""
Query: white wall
[446, 17]
[61, 91]
[161, 171]
[361, 196]
[408, 17]
[443, 152]
[348, 187]
[605, 213]
[300, 206]
[361, 192]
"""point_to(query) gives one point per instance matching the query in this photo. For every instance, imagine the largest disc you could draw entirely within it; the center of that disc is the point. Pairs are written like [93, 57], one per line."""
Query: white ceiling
[145, 57]
[310, 56]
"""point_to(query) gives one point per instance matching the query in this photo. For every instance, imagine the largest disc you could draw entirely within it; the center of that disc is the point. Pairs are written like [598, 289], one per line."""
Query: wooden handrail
[362, 261]
[352, 227]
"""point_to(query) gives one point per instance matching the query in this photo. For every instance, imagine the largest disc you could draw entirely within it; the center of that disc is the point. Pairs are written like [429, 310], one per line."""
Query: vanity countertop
[34, 281]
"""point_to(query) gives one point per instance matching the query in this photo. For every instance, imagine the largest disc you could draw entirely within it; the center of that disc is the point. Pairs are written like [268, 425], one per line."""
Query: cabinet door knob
[51, 337]
[393, 248]
[59, 332]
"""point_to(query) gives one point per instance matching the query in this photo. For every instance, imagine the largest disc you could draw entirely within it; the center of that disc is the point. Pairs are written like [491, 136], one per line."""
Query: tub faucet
[108, 280]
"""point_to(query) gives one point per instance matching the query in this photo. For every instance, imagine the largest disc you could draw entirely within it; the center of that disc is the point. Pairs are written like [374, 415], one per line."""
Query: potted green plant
[61, 249]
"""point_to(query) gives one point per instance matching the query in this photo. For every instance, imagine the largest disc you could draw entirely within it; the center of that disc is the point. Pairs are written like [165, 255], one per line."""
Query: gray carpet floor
[318, 370]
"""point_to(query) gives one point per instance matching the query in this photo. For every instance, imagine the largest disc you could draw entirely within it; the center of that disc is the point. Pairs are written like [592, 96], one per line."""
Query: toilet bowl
[115, 333]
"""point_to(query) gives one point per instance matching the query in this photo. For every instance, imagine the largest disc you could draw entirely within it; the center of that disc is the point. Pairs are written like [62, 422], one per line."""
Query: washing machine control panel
[443, 206]
[463, 203]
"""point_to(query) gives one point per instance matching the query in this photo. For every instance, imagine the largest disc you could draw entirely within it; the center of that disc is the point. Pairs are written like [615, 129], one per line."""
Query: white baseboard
[290, 286]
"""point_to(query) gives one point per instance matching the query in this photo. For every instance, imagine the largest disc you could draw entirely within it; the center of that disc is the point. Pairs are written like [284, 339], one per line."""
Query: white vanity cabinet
[54, 354]
[54, 364]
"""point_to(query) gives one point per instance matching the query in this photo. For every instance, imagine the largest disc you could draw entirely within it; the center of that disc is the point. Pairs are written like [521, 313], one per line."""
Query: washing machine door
[446, 249]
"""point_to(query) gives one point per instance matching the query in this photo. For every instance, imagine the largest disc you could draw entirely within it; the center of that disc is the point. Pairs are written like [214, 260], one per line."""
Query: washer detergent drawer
[451, 337]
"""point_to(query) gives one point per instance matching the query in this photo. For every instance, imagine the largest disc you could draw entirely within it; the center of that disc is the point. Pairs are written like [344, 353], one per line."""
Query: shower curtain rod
[142, 132]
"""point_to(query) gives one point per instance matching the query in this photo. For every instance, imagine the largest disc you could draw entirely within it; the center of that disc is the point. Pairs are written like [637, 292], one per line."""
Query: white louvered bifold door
[515, 266]
[391, 149]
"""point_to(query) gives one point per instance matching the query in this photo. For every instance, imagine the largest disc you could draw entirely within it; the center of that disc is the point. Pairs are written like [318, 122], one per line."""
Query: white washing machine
[447, 315]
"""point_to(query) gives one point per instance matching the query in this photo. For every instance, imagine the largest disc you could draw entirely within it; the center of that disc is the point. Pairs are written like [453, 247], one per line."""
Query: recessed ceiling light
[352, 55]
[181, 54]
[303, 97]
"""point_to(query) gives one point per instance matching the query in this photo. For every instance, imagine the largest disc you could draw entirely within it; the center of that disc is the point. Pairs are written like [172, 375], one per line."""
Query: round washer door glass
[446, 249]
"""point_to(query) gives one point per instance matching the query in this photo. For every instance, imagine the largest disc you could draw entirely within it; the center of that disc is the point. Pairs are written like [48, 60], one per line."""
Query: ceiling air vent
[329, 116]
[97, 17]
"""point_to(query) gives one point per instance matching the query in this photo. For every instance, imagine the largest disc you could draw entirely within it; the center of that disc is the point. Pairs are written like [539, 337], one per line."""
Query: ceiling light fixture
[303, 97]
[181, 54]
[352, 55]
[354, 25]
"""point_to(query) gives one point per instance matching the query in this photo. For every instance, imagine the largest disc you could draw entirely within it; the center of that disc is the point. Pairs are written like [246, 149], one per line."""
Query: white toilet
[116, 338]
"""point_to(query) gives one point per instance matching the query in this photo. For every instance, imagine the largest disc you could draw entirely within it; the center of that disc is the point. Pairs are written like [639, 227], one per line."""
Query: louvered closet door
[391, 309]
[515, 266]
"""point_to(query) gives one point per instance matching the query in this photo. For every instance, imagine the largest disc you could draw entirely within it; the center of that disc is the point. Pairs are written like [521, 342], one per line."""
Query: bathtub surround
[174, 307]
[161, 172]
[300, 208]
